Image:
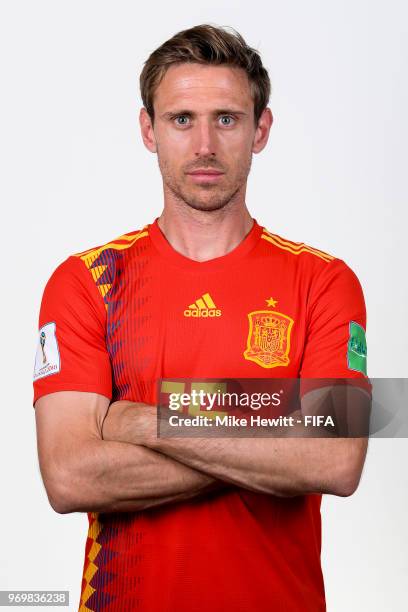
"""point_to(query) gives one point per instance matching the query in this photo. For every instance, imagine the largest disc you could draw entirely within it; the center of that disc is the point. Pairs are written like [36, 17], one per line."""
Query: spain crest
[268, 341]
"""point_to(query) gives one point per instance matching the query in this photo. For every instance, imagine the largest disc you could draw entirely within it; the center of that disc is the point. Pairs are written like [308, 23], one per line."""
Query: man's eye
[226, 120]
[181, 120]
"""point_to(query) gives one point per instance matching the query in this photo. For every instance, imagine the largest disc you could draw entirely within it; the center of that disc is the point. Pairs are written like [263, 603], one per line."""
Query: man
[196, 524]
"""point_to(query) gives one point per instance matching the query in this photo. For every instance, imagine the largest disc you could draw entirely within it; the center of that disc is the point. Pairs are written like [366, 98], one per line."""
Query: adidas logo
[203, 307]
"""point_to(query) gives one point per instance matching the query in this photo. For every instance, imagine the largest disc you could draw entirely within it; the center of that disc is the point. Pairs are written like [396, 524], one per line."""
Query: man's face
[204, 121]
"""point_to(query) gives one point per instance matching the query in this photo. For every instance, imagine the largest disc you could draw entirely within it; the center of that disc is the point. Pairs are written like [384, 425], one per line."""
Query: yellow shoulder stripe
[122, 242]
[119, 244]
[294, 247]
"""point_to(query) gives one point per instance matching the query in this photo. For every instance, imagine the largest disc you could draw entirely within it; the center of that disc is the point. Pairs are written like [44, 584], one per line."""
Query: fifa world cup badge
[47, 358]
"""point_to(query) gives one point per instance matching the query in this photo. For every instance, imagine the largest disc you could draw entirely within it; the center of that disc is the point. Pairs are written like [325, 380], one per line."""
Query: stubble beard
[205, 197]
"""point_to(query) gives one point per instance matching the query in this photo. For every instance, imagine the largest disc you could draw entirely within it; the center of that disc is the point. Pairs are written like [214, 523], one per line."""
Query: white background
[75, 174]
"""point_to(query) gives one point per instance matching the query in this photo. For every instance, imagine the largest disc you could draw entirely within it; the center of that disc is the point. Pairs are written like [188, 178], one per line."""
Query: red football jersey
[118, 317]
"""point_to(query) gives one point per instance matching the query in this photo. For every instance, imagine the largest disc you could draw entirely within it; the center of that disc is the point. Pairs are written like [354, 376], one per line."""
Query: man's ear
[146, 129]
[262, 130]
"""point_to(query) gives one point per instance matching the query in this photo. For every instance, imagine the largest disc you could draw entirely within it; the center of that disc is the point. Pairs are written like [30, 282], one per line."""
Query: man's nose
[205, 139]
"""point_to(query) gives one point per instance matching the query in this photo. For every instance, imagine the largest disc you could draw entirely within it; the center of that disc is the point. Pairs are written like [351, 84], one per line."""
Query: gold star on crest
[271, 302]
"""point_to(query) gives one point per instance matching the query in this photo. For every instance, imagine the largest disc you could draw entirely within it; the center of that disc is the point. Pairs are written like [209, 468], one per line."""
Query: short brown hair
[206, 44]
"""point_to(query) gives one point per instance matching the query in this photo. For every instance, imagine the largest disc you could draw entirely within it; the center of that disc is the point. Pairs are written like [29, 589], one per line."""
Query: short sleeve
[71, 352]
[335, 345]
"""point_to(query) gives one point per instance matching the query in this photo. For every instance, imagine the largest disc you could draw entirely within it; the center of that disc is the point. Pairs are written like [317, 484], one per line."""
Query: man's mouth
[205, 174]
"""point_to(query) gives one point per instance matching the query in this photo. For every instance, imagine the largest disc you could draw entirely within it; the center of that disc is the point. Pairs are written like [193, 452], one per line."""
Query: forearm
[110, 476]
[279, 466]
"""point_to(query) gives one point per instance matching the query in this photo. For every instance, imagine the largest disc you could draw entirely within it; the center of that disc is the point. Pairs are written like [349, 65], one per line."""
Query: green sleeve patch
[357, 348]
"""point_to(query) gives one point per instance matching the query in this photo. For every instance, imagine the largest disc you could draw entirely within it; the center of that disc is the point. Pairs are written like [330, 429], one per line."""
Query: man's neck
[204, 235]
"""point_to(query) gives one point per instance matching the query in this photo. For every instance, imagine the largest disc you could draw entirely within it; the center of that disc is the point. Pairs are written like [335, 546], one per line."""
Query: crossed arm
[107, 458]
[84, 473]
[279, 466]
